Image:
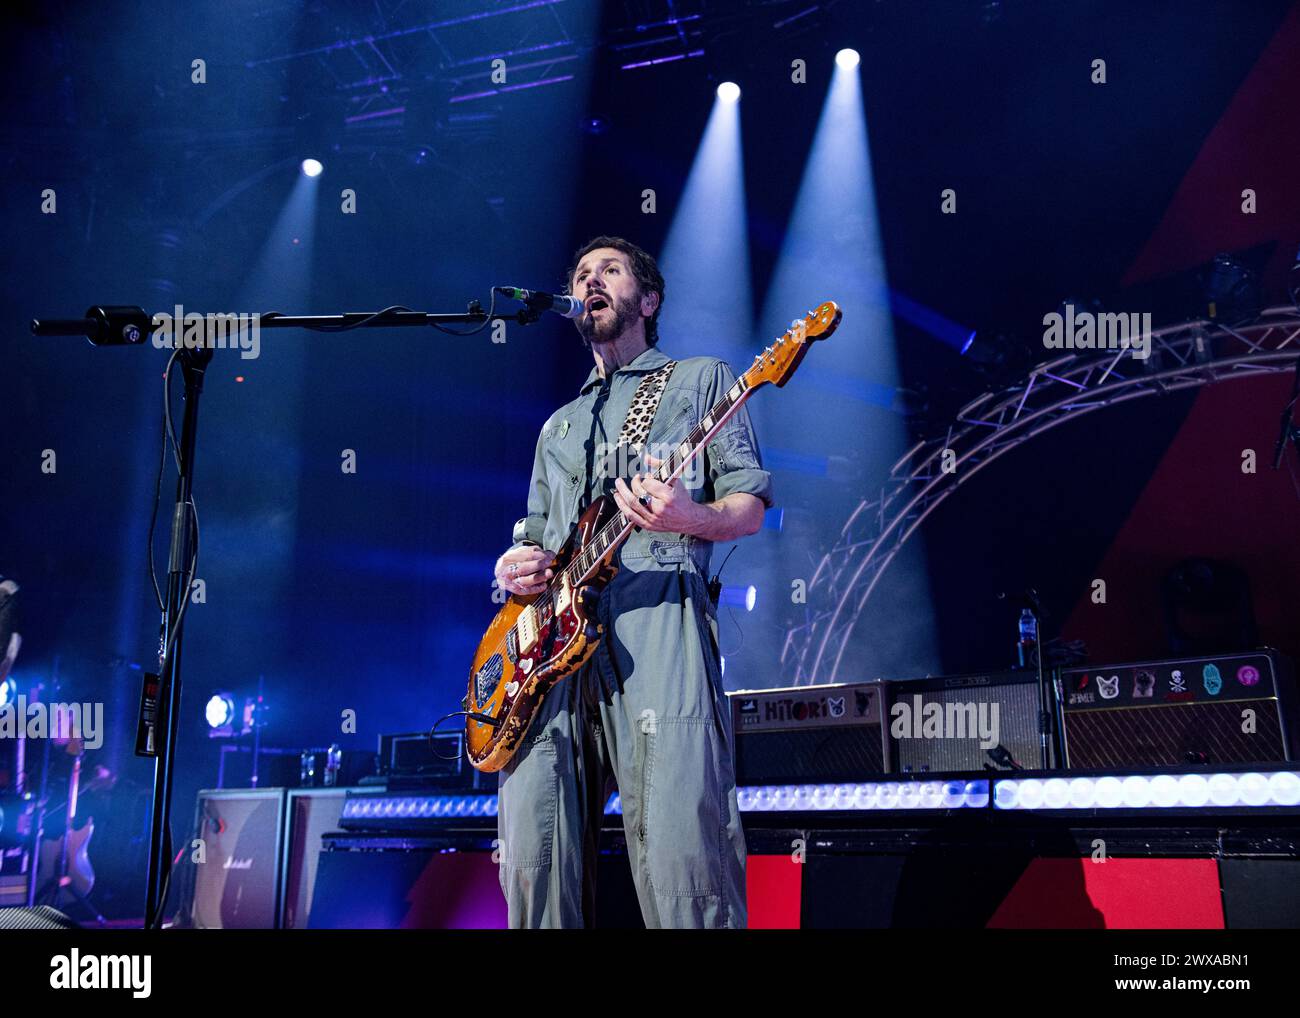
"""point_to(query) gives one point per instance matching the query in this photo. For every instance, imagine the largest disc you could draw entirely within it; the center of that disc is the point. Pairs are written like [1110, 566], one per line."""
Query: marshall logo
[238, 864]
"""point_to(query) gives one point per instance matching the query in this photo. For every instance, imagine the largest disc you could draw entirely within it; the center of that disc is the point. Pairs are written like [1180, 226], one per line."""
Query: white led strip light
[1145, 791]
[867, 795]
[1134, 791]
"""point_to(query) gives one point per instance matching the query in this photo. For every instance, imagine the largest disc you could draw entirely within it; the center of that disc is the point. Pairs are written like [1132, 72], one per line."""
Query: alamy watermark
[220, 331]
[37, 720]
[616, 460]
[1102, 330]
[921, 720]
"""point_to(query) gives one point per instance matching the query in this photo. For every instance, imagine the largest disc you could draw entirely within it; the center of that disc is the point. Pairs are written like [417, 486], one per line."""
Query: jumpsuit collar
[647, 360]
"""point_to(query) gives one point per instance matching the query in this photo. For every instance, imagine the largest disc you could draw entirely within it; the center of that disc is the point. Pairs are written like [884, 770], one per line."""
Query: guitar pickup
[512, 646]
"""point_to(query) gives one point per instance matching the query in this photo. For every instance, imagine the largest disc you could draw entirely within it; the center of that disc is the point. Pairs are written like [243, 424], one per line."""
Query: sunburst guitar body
[534, 642]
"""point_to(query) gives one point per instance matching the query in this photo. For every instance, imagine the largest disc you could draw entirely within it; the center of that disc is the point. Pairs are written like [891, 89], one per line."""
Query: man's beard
[611, 327]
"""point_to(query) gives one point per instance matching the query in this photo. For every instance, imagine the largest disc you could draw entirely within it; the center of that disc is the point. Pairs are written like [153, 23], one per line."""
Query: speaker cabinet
[1229, 709]
[237, 885]
[311, 813]
[966, 722]
[809, 733]
[40, 918]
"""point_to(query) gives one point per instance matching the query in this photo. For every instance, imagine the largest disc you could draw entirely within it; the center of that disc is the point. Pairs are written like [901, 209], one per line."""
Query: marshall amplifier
[809, 733]
[1233, 708]
[983, 721]
[236, 883]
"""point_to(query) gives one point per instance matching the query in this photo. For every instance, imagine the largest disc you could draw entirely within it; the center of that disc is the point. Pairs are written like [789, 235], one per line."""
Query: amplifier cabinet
[236, 885]
[802, 734]
[311, 813]
[1230, 709]
[981, 721]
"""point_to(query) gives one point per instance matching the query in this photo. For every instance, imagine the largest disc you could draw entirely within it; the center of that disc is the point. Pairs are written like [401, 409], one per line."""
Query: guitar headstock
[777, 363]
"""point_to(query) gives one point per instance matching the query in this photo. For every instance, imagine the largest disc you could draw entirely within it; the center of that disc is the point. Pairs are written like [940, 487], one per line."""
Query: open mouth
[596, 303]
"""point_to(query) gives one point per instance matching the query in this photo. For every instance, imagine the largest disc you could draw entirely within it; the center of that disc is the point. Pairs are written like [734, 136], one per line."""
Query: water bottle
[1028, 638]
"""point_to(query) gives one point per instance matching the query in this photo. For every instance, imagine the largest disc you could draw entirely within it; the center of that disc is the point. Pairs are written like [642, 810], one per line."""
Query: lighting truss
[1184, 356]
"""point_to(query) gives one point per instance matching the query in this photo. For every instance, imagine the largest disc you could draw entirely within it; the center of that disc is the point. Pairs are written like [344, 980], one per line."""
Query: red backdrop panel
[774, 885]
[1129, 893]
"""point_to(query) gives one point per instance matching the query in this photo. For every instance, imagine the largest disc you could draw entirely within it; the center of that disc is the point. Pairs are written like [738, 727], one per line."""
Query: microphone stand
[129, 325]
[1044, 708]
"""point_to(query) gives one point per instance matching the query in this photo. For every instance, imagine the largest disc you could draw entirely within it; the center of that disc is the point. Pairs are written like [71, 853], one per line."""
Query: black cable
[486, 719]
[167, 434]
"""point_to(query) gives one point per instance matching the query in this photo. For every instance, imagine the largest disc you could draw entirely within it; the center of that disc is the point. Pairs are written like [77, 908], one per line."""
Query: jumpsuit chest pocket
[672, 423]
[565, 470]
[563, 459]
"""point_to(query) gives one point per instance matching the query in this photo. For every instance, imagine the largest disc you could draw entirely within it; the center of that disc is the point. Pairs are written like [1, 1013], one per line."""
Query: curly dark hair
[644, 269]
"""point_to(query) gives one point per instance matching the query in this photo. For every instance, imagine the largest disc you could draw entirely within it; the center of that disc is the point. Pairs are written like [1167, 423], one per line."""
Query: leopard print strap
[645, 402]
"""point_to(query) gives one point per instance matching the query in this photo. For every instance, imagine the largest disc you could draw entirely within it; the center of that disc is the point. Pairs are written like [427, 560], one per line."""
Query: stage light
[729, 92]
[832, 245]
[710, 229]
[312, 167]
[220, 711]
[847, 59]
[740, 597]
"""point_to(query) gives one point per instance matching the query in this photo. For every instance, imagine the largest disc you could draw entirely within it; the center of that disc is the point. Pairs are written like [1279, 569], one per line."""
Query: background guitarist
[647, 709]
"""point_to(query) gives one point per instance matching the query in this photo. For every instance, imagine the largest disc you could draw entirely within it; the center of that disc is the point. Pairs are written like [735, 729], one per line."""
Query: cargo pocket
[682, 809]
[528, 796]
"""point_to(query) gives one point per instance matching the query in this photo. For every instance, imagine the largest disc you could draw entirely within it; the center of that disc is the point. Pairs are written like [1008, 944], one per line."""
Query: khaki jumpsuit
[648, 707]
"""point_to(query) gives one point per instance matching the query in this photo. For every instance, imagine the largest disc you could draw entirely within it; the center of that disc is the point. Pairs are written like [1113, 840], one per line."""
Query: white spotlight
[847, 58]
[312, 167]
[729, 92]
[220, 710]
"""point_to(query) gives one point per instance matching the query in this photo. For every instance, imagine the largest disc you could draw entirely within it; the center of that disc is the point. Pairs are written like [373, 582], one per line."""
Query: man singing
[648, 707]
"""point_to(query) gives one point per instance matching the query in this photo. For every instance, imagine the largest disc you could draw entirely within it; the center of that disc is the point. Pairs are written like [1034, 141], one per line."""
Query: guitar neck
[617, 531]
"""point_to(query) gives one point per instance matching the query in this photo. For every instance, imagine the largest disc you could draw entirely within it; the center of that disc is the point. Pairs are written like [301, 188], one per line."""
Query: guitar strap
[640, 415]
[645, 403]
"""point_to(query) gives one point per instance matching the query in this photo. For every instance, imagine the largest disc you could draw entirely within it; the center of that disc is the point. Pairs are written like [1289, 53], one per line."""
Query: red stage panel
[773, 884]
[1124, 893]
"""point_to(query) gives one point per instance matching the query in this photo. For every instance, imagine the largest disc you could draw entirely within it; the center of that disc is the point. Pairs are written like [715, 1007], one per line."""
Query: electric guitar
[536, 641]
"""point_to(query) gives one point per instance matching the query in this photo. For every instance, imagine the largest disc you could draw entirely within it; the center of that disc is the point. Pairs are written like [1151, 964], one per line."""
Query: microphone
[560, 304]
